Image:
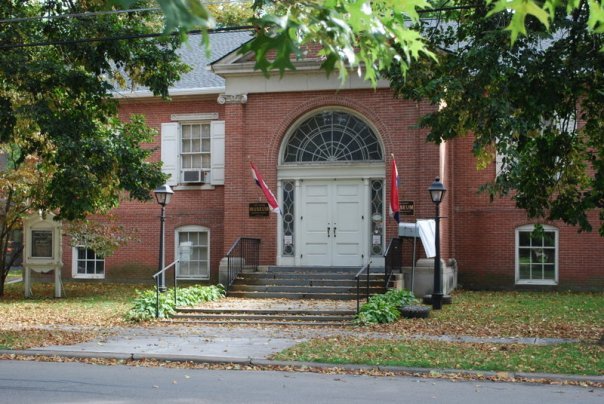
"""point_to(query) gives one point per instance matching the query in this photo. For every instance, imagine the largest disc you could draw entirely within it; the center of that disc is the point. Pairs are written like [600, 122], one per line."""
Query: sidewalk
[246, 345]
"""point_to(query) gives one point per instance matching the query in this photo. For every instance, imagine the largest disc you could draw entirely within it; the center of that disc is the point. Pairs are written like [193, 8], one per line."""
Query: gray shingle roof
[193, 53]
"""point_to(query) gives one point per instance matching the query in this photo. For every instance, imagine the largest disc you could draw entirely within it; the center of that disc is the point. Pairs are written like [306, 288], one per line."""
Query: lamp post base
[446, 299]
[437, 301]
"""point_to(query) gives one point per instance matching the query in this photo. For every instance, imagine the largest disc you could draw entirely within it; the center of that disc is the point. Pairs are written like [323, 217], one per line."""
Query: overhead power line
[115, 38]
[143, 36]
[87, 14]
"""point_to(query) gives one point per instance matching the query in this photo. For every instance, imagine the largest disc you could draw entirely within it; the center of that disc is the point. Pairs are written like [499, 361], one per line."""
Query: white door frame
[339, 170]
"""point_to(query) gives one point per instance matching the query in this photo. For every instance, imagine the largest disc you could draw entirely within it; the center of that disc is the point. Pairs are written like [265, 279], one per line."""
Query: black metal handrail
[156, 276]
[357, 277]
[393, 260]
[243, 254]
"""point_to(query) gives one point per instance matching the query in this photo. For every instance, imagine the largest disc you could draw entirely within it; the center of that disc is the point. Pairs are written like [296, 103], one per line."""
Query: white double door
[333, 222]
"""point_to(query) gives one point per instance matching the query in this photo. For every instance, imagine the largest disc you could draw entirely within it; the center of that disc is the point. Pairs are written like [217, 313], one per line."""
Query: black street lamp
[163, 195]
[437, 191]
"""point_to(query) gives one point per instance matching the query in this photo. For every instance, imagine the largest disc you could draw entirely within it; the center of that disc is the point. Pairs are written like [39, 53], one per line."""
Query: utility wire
[149, 35]
[87, 14]
[117, 38]
[90, 14]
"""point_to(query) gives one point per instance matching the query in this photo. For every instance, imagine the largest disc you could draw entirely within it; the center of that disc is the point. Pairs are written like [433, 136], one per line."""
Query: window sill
[193, 278]
[88, 276]
[204, 187]
[537, 283]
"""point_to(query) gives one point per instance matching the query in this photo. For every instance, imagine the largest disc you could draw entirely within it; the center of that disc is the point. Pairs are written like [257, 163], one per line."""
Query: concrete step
[309, 282]
[317, 269]
[264, 316]
[264, 322]
[294, 295]
[249, 317]
[306, 275]
[300, 288]
[293, 312]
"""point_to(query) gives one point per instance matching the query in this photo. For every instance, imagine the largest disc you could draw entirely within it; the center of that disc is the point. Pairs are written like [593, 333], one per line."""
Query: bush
[145, 302]
[384, 308]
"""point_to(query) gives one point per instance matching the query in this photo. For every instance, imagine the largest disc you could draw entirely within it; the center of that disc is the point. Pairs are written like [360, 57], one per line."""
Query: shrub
[384, 308]
[144, 304]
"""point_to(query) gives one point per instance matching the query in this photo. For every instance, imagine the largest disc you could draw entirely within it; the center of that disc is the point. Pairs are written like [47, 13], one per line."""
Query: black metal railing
[393, 260]
[243, 254]
[366, 269]
[158, 290]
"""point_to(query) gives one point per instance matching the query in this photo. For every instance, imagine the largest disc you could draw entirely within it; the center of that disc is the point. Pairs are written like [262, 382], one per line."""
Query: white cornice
[242, 78]
[224, 69]
[172, 92]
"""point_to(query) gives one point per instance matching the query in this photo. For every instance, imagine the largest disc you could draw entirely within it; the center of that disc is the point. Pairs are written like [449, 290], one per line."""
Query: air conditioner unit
[194, 176]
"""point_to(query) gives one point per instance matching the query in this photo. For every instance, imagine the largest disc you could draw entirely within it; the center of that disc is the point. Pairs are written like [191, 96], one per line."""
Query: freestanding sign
[42, 252]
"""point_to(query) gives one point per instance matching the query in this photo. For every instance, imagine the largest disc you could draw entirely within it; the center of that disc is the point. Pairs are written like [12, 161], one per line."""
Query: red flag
[394, 206]
[270, 198]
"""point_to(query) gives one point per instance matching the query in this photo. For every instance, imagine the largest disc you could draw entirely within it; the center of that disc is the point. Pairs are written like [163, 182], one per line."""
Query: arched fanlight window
[332, 136]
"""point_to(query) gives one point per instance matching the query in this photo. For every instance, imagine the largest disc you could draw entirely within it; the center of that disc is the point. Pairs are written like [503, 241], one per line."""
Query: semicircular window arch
[332, 136]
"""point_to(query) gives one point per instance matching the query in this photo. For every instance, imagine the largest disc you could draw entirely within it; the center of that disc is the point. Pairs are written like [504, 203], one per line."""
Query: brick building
[324, 149]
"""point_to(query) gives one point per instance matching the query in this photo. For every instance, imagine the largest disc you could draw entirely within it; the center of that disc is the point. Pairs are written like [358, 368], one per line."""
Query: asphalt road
[49, 382]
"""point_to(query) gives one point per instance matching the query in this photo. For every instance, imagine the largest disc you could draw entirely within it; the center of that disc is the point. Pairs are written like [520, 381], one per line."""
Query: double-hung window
[192, 151]
[195, 156]
[537, 256]
[193, 251]
[87, 264]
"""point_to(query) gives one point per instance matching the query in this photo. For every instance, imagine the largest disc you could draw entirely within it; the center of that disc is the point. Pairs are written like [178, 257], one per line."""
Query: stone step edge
[308, 295]
[235, 317]
[265, 311]
[256, 322]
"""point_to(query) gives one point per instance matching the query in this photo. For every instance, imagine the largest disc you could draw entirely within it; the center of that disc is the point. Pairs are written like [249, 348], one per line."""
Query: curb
[410, 371]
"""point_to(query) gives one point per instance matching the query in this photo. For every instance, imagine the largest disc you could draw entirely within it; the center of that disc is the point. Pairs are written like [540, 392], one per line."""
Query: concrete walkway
[242, 342]
[245, 344]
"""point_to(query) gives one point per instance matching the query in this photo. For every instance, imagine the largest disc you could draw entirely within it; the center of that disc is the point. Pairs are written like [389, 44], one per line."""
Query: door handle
[334, 232]
[328, 228]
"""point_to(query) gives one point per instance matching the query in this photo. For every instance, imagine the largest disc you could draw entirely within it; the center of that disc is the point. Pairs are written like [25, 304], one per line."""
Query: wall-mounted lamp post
[163, 195]
[437, 191]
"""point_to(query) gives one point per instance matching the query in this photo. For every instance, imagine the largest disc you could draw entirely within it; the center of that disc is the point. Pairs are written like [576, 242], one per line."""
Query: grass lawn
[581, 359]
[512, 314]
[14, 274]
[481, 314]
[29, 323]
[91, 308]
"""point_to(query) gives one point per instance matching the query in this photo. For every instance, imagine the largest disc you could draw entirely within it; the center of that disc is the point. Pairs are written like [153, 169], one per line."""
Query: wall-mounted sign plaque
[259, 209]
[407, 208]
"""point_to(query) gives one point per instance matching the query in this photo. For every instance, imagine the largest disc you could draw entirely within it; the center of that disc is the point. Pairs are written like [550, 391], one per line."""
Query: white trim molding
[209, 116]
[540, 251]
[232, 99]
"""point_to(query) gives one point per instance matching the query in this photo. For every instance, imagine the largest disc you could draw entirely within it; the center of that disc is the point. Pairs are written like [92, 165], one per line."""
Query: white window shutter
[498, 164]
[169, 151]
[217, 136]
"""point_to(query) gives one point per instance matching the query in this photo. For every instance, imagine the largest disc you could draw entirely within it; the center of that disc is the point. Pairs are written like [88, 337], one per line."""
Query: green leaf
[596, 16]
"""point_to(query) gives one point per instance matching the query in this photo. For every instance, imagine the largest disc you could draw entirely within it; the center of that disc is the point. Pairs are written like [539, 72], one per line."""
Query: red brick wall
[478, 233]
[484, 234]
[265, 121]
[138, 260]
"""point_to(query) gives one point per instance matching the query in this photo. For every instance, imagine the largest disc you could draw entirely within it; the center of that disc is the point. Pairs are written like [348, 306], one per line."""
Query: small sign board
[41, 244]
[259, 209]
[407, 208]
